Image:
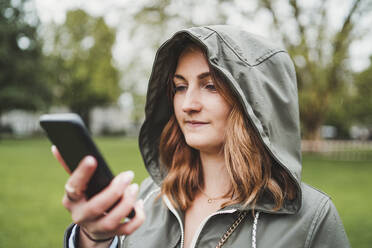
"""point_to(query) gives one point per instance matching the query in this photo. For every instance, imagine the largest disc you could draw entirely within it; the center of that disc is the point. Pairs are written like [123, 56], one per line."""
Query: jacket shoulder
[314, 203]
[311, 193]
[324, 222]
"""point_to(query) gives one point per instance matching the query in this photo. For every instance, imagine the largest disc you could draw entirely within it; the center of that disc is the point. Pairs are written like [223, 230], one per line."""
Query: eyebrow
[200, 76]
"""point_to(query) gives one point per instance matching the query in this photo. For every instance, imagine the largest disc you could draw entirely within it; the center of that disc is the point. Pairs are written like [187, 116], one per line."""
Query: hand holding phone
[100, 217]
[73, 141]
[69, 134]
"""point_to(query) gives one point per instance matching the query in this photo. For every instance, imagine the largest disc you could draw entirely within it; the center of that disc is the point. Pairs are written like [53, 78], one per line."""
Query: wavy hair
[252, 171]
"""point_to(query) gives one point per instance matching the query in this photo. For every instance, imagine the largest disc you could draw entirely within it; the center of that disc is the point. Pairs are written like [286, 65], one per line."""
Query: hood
[263, 77]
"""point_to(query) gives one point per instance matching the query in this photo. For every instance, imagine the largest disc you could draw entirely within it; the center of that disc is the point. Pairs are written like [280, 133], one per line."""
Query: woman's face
[200, 110]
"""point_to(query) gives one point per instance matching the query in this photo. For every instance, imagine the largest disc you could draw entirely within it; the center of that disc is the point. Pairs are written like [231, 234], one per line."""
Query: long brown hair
[251, 169]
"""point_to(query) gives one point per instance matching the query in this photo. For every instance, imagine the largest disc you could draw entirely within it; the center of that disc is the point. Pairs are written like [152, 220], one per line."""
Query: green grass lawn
[31, 214]
[350, 186]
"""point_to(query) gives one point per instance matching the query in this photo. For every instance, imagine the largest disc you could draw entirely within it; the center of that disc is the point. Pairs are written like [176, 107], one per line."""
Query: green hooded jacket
[263, 77]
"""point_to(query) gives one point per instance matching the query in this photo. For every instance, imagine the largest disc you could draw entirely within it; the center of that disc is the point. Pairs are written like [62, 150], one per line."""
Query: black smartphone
[69, 134]
[72, 139]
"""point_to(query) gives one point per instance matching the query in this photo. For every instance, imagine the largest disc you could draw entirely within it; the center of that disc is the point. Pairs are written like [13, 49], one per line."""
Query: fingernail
[116, 180]
[128, 176]
[53, 148]
[90, 160]
[133, 189]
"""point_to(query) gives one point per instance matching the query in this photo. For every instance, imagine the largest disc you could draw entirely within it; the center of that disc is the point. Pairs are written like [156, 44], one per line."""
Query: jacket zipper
[200, 228]
[173, 210]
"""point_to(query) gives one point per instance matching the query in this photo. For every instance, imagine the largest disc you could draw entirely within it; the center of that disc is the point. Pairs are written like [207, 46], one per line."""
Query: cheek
[177, 108]
[223, 113]
[223, 123]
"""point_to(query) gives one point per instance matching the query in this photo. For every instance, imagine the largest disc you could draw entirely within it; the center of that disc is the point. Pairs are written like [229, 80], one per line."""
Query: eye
[211, 87]
[180, 88]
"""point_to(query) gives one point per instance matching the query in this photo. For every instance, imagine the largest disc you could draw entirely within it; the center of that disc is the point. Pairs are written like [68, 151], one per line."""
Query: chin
[194, 143]
[200, 144]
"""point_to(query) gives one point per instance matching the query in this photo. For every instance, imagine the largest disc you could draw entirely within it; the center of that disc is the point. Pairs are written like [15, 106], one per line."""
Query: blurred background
[94, 58]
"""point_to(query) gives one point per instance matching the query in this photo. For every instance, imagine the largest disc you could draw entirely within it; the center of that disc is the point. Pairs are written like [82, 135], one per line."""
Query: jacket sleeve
[68, 236]
[327, 229]
[70, 239]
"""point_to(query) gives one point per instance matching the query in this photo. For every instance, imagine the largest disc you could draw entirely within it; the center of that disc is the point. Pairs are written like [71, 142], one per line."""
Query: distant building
[110, 120]
[21, 123]
[359, 132]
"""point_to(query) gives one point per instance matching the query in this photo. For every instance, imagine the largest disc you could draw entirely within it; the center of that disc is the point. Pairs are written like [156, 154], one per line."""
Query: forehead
[192, 61]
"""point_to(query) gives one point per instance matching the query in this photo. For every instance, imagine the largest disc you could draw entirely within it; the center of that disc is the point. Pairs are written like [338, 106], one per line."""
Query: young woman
[221, 142]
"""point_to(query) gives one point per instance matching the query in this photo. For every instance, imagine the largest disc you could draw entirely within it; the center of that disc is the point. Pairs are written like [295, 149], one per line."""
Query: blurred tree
[148, 23]
[80, 55]
[340, 112]
[362, 97]
[318, 41]
[320, 53]
[22, 82]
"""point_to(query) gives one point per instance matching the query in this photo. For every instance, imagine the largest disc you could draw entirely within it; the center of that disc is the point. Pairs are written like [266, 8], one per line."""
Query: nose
[192, 101]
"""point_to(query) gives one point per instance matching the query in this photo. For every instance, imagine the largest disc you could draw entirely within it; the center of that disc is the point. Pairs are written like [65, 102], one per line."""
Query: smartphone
[69, 134]
[72, 139]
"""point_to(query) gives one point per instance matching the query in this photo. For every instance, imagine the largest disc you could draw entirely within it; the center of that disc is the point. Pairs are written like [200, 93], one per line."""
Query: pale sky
[55, 10]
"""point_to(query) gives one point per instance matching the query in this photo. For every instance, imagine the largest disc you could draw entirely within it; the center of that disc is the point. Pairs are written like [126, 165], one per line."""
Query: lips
[195, 123]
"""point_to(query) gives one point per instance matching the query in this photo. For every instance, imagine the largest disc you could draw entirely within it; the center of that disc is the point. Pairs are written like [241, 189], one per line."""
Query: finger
[71, 205]
[104, 200]
[114, 192]
[79, 179]
[126, 204]
[113, 219]
[77, 183]
[58, 156]
[132, 225]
